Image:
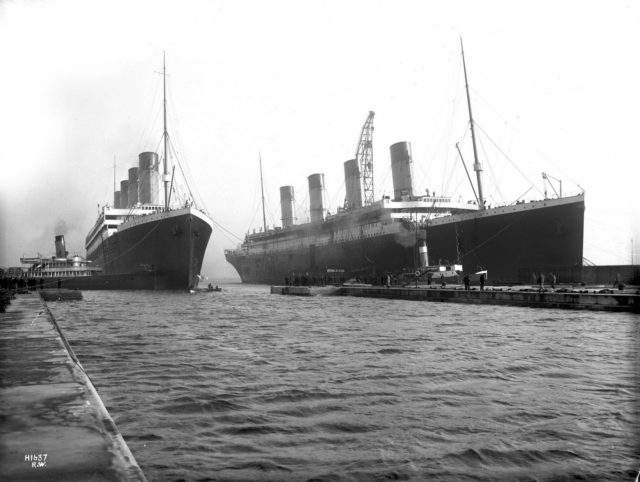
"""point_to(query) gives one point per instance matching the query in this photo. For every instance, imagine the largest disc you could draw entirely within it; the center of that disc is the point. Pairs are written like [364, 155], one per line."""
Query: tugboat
[61, 270]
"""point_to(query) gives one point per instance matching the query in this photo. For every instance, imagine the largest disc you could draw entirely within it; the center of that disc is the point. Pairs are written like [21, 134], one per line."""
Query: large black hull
[163, 251]
[504, 240]
[534, 239]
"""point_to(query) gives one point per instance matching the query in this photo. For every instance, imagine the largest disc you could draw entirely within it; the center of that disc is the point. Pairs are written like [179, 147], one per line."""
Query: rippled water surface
[245, 385]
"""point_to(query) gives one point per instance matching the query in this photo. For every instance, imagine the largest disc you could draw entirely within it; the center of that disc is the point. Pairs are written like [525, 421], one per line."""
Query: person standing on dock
[553, 281]
[388, 280]
[467, 282]
[541, 281]
[482, 281]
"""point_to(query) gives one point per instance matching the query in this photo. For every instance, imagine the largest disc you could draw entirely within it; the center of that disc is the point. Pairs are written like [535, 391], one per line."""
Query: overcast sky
[554, 85]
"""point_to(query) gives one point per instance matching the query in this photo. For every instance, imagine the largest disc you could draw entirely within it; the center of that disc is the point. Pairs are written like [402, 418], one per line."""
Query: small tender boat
[205, 290]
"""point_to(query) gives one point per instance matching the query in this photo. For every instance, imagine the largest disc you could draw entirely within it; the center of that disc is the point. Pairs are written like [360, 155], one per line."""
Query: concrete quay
[583, 299]
[54, 426]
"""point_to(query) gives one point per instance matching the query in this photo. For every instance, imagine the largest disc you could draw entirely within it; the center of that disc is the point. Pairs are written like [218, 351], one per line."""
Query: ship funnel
[316, 197]
[124, 194]
[402, 170]
[116, 199]
[423, 255]
[148, 178]
[61, 252]
[132, 193]
[287, 203]
[353, 184]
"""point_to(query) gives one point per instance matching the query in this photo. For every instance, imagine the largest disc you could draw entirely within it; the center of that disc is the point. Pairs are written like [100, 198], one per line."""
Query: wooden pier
[54, 425]
[305, 290]
[578, 299]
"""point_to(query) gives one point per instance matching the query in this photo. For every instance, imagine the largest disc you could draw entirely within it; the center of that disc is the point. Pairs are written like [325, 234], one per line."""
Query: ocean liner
[368, 238]
[142, 242]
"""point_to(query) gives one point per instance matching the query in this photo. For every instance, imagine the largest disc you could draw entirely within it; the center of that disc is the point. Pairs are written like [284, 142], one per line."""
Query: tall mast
[165, 177]
[264, 217]
[476, 166]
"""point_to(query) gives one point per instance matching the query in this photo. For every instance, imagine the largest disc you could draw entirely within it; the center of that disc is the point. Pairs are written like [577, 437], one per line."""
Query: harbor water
[245, 385]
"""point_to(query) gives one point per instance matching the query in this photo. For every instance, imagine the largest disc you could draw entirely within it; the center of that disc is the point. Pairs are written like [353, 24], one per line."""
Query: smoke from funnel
[61, 227]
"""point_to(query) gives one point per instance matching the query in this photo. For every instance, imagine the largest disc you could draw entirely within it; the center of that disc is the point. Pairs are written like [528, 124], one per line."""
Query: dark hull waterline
[505, 241]
[161, 254]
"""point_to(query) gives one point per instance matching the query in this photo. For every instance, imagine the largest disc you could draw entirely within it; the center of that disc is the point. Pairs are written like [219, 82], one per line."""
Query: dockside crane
[364, 157]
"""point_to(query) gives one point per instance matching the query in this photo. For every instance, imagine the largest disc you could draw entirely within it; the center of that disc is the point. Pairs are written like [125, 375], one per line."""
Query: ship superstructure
[386, 236]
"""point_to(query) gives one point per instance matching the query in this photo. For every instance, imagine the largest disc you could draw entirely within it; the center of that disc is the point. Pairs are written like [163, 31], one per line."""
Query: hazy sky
[554, 85]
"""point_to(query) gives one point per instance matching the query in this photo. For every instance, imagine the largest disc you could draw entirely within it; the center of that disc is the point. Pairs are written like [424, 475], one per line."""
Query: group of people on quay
[31, 284]
[540, 281]
[307, 280]
[385, 279]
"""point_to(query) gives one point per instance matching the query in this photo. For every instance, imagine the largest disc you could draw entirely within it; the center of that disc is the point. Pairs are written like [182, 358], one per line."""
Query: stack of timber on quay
[54, 424]
[581, 299]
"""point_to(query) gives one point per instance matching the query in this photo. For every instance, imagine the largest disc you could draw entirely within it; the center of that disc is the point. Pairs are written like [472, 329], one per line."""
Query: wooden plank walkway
[53, 425]
[568, 299]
